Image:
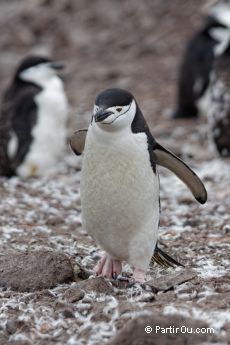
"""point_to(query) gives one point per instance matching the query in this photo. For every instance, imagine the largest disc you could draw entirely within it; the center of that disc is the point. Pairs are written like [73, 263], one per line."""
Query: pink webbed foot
[108, 267]
[139, 275]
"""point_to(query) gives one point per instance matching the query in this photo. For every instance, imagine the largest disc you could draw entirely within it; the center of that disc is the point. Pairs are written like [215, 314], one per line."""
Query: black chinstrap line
[109, 123]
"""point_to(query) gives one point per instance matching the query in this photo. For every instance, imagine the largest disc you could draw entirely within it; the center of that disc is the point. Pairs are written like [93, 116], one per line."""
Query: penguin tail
[163, 259]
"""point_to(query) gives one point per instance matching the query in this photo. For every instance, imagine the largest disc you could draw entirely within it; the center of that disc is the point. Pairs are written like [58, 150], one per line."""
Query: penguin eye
[119, 109]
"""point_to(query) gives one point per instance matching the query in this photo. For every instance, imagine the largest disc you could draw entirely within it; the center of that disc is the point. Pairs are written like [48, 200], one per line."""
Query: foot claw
[108, 267]
[99, 266]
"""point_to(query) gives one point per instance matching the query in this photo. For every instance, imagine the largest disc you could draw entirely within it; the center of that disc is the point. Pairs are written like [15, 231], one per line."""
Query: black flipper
[163, 259]
[170, 161]
[23, 121]
[5, 164]
[17, 117]
[77, 141]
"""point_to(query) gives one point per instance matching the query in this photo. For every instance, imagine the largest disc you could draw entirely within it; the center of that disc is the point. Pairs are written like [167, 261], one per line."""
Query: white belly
[49, 133]
[120, 197]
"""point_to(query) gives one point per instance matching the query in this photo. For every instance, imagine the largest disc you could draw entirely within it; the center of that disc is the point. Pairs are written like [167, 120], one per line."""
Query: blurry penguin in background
[33, 119]
[219, 114]
[195, 73]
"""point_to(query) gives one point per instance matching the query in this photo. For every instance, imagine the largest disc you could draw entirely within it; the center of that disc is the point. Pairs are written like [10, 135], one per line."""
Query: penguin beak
[102, 115]
[57, 65]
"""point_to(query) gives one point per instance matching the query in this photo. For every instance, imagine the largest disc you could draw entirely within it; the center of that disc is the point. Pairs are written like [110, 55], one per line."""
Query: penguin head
[114, 109]
[221, 12]
[37, 69]
[218, 25]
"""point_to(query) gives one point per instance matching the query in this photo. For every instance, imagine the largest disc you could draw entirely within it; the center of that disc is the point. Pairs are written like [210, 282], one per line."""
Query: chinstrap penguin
[120, 184]
[33, 119]
[219, 113]
[196, 69]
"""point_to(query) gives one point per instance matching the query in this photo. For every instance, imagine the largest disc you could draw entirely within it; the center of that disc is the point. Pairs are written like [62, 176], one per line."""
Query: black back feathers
[195, 69]
[220, 110]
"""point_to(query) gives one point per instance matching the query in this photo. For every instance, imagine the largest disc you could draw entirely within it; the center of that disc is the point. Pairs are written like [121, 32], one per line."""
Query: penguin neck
[139, 124]
[53, 81]
[17, 85]
[220, 35]
[18, 82]
[108, 134]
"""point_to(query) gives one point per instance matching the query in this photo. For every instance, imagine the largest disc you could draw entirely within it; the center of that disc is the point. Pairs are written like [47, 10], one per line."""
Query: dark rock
[191, 222]
[121, 284]
[34, 271]
[126, 308]
[74, 295]
[79, 272]
[134, 332]
[54, 220]
[97, 284]
[100, 317]
[226, 327]
[12, 326]
[169, 281]
[226, 229]
[68, 313]
[3, 339]
[147, 299]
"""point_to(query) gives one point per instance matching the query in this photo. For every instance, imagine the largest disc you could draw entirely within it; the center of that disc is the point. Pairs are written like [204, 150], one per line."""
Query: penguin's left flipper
[163, 259]
[77, 141]
[170, 161]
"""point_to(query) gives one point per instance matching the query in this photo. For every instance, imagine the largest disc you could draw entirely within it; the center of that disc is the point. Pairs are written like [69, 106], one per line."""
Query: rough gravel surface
[47, 292]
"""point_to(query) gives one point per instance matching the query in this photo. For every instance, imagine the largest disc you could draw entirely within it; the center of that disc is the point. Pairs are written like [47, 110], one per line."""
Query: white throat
[221, 35]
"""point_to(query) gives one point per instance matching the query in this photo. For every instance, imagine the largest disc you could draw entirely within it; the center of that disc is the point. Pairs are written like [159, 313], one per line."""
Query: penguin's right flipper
[170, 161]
[23, 120]
[163, 259]
[77, 141]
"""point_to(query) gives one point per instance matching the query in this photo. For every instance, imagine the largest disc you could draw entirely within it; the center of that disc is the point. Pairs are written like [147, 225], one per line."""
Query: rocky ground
[47, 294]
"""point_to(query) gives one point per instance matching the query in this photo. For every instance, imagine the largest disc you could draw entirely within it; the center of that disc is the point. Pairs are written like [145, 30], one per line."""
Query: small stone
[68, 313]
[121, 284]
[226, 229]
[100, 317]
[54, 220]
[169, 281]
[147, 299]
[12, 326]
[97, 284]
[226, 326]
[45, 327]
[80, 273]
[74, 295]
